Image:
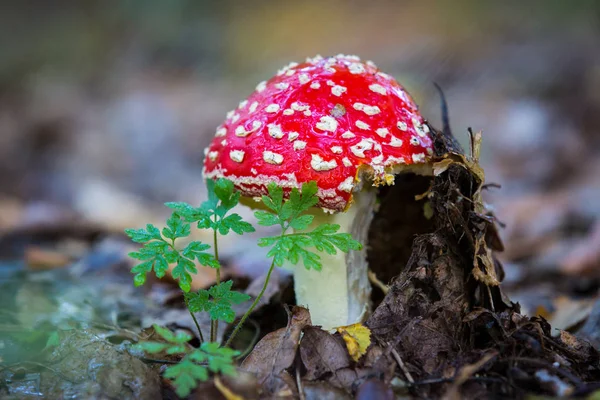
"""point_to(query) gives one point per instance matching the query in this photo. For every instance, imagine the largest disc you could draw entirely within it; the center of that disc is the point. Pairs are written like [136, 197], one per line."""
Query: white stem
[339, 294]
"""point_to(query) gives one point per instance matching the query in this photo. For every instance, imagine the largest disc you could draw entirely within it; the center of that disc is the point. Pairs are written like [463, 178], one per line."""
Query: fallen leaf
[38, 258]
[276, 352]
[322, 354]
[357, 338]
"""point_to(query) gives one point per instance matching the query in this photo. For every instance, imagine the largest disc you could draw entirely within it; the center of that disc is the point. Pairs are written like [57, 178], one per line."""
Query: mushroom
[347, 126]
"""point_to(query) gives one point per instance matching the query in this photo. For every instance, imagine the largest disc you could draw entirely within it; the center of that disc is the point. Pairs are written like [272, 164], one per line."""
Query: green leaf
[181, 273]
[266, 218]
[152, 347]
[220, 359]
[302, 222]
[197, 301]
[225, 192]
[144, 235]
[297, 247]
[187, 212]
[222, 298]
[213, 200]
[186, 375]
[196, 250]
[171, 337]
[176, 227]
[236, 224]
[275, 198]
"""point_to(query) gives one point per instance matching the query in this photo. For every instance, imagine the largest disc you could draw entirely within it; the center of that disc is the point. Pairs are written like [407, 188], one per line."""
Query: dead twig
[299, 379]
[465, 373]
[402, 366]
[376, 282]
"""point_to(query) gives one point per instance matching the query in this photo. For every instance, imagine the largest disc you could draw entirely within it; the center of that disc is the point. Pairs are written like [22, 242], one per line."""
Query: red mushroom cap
[327, 120]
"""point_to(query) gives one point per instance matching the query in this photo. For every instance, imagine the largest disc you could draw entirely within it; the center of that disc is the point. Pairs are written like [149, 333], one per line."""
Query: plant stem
[214, 325]
[239, 325]
[195, 321]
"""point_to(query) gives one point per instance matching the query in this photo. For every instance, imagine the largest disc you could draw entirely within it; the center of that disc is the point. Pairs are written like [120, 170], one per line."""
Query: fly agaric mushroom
[347, 126]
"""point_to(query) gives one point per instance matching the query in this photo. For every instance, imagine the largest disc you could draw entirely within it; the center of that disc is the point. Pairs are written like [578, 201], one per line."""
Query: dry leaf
[357, 338]
[276, 352]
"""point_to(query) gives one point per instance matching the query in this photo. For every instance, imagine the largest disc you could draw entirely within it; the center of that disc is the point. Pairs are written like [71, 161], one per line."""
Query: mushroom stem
[338, 295]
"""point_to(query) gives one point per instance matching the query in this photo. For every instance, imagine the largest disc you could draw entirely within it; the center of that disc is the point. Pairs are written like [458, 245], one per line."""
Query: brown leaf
[322, 354]
[276, 351]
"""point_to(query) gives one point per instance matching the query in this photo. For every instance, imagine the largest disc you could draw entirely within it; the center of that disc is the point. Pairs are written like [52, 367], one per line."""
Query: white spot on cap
[221, 132]
[272, 158]
[272, 108]
[338, 90]
[371, 64]
[327, 123]
[307, 113]
[362, 125]
[303, 78]
[347, 185]
[237, 155]
[347, 162]
[292, 136]
[275, 131]
[418, 157]
[288, 111]
[235, 118]
[224, 142]
[395, 142]
[205, 151]
[377, 159]
[253, 107]
[299, 107]
[356, 68]
[261, 86]
[290, 72]
[314, 59]
[395, 160]
[359, 148]
[430, 151]
[212, 155]
[229, 114]
[318, 164]
[384, 75]
[402, 125]
[299, 145]
[243, 104]
[369, 110]
[419, 127]
[348, 135]
[254, 171]
[383, 132]
[242, 132]
[315, 85]
[330, 82]
[377, 88]
[282, 85]
[336, 149]
[414, 141]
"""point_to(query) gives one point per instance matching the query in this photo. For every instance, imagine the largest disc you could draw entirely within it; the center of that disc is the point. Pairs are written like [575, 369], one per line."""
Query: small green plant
[159, 251]
[195, 364]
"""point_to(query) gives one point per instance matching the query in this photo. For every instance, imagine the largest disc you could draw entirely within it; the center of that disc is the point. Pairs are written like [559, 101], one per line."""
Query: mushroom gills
[338, 295]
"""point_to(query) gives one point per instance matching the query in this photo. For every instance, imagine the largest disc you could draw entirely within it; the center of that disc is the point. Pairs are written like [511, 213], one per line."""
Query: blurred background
[106, 106]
